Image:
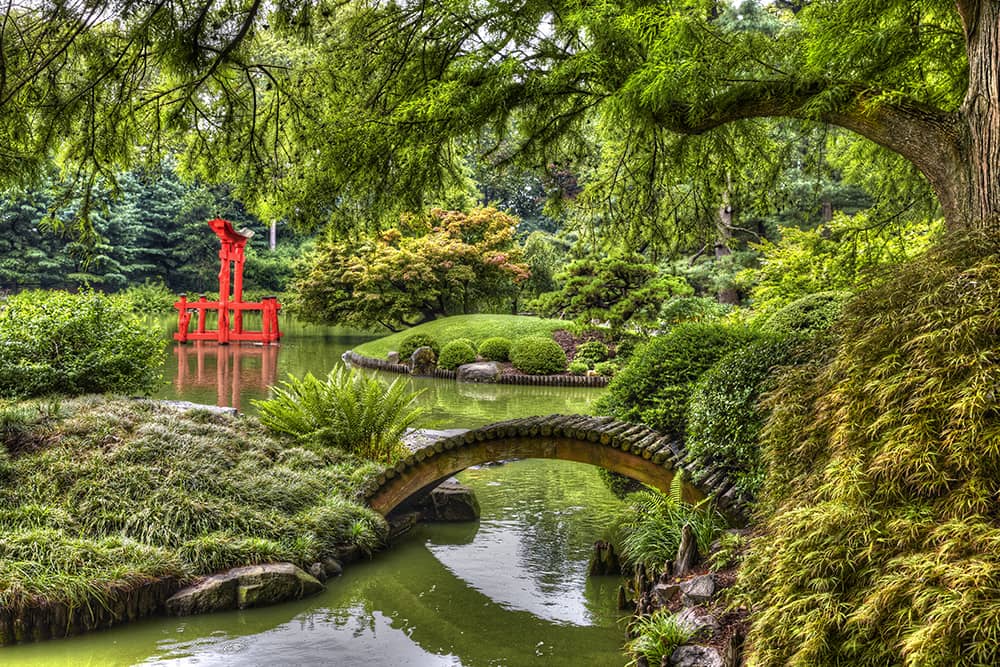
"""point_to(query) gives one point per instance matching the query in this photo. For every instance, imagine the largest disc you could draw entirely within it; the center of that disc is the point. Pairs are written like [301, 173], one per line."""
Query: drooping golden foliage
[881, 504]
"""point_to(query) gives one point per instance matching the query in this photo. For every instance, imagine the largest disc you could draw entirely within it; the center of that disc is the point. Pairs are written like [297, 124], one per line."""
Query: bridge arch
[630, 449]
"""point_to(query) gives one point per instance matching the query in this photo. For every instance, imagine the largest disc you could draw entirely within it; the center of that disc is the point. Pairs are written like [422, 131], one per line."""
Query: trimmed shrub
[653, 388]
[56, 342]
[408, 345]
[456, 353]
[724, 419]
[591, 352]
[496, 348]
[606, 368]
[880, 531]
[578, 367]
[809, 315]
[538, 356]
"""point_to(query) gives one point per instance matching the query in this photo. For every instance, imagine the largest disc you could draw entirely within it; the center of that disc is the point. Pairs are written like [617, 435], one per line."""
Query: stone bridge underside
[629, 449]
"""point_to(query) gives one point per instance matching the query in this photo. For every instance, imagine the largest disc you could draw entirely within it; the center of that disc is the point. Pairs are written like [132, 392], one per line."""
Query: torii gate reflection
[229, 368]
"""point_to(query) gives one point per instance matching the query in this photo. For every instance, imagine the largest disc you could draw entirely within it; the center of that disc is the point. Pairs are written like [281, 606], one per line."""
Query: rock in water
[393, 357]
[450, 501]
[423, 361]
[483, 371]
[243, 587]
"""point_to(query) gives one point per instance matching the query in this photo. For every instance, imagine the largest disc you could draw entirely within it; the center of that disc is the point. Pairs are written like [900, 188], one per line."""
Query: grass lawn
[97, 495]
[475, 327]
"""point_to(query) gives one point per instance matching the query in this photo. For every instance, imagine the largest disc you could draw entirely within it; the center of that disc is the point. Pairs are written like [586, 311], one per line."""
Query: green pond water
[509, 590]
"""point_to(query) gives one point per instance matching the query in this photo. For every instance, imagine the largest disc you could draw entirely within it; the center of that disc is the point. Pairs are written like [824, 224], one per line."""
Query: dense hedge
[724, 419]
[56, 342]
[809, 315]
[496, 348]
[880, 540]
[538, 356]
[591, 352]
[409, 345]
[456, 353]
[653, 388]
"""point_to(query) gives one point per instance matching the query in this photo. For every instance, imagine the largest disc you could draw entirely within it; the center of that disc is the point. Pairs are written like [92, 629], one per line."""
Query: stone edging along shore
[354, 359]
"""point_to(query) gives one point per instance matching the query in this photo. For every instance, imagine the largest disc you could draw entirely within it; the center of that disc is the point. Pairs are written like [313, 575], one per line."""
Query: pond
[509, 590]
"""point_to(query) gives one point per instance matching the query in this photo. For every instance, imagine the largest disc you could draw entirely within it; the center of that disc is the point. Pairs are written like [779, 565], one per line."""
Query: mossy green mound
[100, 495]
[880, 545]
[476, 328]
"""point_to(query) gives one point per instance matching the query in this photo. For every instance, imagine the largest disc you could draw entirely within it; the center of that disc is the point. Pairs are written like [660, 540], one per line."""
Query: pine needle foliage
[882, 526]
[349, 411]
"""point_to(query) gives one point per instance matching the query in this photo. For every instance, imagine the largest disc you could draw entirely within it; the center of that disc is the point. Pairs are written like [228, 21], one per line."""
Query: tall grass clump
[880, 543]
[657, 636]
[348, 410]
[60, 343]
[648, 531]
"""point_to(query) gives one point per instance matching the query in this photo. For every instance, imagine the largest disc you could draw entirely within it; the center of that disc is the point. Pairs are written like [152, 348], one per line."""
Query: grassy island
[474, 327]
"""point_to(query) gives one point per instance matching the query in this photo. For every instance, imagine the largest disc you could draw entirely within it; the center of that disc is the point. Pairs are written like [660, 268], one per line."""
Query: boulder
[697, 590]
[692, 655]
[393, 357]
[317, 570]
[665, 592]
[687, 552]
[332, 567]
[450, 501]
[701, 625]
[423, 361]
[243, 587]
[481, 371]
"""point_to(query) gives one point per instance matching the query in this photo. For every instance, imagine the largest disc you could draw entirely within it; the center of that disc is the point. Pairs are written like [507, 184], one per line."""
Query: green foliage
[409, 344]
[152, 296]
[538, 356]
[496, 348]
[578, 367]
[606, 368]
[476, 328]
[648, 531]
[847, 254]
[653, 388]
[591, 352]
[730, 551]
[348, 411]
[879, 541]
[445, 263]
[116, 493]
[692, 309]
[627, 342]
[656, 637]
[56, 342]
[620, 288]
[723, 417]
[808, 315]
[455, 353]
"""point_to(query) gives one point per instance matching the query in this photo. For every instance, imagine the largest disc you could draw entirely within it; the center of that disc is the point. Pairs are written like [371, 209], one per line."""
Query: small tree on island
[429, 266]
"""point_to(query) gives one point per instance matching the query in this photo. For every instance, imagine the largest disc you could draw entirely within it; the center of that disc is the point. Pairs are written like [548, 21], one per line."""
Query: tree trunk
[724, 234]
[980, 199]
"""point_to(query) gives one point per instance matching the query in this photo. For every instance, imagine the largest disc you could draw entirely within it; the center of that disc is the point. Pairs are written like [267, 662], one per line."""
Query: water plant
[348, 410]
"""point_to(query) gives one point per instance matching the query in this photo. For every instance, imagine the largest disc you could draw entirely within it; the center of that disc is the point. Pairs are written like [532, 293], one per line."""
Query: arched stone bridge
[630, 449]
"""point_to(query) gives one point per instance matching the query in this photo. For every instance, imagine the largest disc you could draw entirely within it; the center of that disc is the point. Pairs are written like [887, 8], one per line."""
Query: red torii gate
[230, 310]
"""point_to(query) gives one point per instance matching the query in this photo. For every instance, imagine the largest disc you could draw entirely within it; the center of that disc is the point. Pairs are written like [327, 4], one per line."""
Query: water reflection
[229, 369]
